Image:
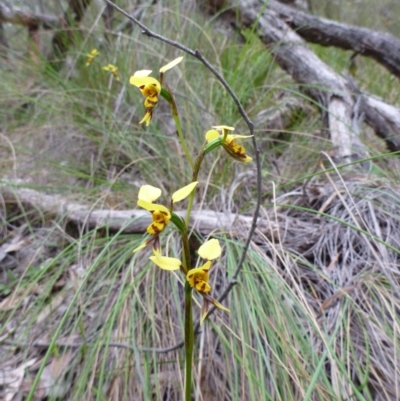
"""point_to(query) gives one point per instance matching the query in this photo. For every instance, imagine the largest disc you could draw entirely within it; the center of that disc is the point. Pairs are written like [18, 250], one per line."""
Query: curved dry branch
[382, 47]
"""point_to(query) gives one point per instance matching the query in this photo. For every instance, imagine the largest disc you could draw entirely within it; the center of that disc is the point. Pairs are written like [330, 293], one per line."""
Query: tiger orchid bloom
[91, 56]
[236, 151]
[112, 69]
[198, 278]
[150, 88]
[161, 215]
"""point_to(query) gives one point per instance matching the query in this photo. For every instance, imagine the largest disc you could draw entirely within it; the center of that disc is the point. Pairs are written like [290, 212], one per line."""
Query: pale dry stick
[197, 54]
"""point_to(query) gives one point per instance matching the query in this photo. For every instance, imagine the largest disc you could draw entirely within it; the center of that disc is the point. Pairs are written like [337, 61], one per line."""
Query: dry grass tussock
[352, 246]
[334, 264]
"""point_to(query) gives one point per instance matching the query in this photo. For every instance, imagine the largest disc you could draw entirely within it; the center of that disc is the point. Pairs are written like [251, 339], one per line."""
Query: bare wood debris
[28, 19]
[342, 104]
[129, 221]
[382, 47]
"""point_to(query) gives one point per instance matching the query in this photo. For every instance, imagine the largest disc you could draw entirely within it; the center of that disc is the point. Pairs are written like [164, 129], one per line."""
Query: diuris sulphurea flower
[238, 152]
[91, 56]
[112, 69]
[150, 87]
[161, 215]
[198, 278]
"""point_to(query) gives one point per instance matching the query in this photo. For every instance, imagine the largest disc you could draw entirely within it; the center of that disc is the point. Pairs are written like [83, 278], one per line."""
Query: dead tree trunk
[341, 102]
[382, 47]
[3, 42]
[32, 21]
[63, 39]
[64, 36]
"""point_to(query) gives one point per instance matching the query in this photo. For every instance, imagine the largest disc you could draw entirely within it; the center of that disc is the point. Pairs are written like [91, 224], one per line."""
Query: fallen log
[382, 47]
[28, 19]
[136, 221]
[342, 104]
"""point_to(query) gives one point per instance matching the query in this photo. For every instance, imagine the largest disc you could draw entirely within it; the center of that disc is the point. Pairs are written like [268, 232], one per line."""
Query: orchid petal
[152, 207]
[211, 135]
[140, 81]
[184, 192]
[171, 64]
[230, 137]
[148, 193]
[165, 262]
[222, 127]
[141, 246]
[210, 250]
[147, 118]
[142, 73]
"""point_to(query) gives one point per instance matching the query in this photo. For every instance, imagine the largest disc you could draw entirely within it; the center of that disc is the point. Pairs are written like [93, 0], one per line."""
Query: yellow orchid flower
[198, 278]
[150, 88]
[238, 152]
[113, 69]
[165, 262]
[160, 214]
[91, 56]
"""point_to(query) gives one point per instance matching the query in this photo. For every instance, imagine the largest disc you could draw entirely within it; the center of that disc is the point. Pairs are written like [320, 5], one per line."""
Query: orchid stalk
[196, 278]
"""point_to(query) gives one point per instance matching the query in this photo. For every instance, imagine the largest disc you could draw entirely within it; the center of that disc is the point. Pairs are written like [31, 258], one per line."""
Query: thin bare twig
[197, 54]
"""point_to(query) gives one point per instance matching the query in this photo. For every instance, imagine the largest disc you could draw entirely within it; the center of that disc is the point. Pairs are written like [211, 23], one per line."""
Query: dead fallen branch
[4, 45]
[384, 119]
[382, 47]
[63, 25]
[28, 19]
[136, 221]
[129, 221]
[280, 116]
[343, 105]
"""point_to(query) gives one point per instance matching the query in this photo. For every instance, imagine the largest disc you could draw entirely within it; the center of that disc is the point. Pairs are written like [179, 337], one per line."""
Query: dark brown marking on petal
[155, 229]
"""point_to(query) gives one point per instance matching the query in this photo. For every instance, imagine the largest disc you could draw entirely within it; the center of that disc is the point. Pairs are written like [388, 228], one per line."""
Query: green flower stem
[196, 169]
[181, 138]
[189, 208]
[167, 95]
[189, 331]
[186, 251]
[189, 340]
[197, 165]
